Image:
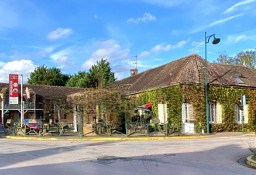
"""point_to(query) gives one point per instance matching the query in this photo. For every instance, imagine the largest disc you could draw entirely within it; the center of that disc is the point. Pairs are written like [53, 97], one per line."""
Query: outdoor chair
[33, 128]
[9, 123]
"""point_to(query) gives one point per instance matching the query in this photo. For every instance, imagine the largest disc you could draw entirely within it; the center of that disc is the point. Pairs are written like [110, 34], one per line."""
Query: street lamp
[215, 41]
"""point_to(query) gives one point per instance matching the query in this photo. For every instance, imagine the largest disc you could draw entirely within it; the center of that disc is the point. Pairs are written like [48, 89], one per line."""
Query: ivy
[176, 95]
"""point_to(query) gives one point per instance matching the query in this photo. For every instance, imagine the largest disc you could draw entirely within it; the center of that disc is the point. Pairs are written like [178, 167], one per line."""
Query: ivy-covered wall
[228, 97]
[176, 95]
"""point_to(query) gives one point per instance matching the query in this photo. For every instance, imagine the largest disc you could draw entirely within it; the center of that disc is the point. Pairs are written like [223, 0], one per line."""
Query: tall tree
[81, 79]
[101, 75]
[225, 59]
[247, 58]
[47, 76]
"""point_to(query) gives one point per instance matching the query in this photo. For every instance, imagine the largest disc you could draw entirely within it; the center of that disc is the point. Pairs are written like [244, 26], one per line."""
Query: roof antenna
[136, 63]
[134, 71]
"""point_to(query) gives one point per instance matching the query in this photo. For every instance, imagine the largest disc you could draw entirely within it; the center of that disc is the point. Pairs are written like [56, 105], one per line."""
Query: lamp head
[215, 40]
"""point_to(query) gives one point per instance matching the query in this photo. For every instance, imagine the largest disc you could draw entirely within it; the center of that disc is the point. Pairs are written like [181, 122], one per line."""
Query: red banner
[13, 89]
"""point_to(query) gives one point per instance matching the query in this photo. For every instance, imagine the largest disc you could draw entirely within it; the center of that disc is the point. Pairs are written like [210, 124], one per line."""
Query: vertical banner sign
[13, 89]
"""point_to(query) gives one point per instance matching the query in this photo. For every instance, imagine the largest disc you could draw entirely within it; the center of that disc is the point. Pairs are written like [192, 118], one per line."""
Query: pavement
[250, 160]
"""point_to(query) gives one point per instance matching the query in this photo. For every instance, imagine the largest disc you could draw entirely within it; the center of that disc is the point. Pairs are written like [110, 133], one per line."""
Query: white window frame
[187, 113]
[238, 114]
[241, 114]
[215, 110]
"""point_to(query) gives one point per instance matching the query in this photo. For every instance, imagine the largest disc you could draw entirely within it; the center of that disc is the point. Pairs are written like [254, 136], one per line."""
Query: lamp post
[206, 83]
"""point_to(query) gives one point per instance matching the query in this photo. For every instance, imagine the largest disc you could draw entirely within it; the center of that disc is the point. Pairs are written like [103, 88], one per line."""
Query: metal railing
[27, 105]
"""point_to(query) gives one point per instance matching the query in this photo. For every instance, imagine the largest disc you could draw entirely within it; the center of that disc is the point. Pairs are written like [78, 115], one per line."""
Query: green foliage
[228, 97]
[194, 94]
[247, 58]
[224, 58]
[47, 76]
[81, 80]
[171, 96]
[101, 75]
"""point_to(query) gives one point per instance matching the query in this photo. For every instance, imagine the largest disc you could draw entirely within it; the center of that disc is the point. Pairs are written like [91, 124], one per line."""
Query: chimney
[133, 72]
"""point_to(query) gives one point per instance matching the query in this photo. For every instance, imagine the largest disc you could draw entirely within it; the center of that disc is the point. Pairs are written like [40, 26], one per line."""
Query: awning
[148, 105]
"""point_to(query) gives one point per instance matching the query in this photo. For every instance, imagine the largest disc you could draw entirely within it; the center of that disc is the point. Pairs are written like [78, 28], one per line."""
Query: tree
[47, 76]
[225, 59]
[101, 75]
[81, 79]
[247, 58]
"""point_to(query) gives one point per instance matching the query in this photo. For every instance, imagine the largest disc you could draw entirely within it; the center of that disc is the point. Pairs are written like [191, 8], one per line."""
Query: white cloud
[242, 3]
[59, 33]
[179, 44]
[237, 38]
[146, 18]
[47, 50]
[156, 49]
[224, 20]
[1, 63]
[23, 66]
[217, 22]
[240, 38]
[196, 47]
[159, 48]
[162, 48]
[110, 50]
[61, 57]
[168, 47]
[144, 54]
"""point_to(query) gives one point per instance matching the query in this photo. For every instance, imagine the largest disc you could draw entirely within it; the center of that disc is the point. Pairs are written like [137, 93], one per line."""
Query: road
[202, 156]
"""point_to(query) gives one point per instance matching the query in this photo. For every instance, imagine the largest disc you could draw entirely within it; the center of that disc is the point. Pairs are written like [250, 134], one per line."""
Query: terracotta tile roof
[187, 70]
[48, 92]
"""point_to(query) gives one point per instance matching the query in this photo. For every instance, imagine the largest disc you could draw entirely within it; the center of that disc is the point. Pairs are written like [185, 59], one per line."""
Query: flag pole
[21, 101]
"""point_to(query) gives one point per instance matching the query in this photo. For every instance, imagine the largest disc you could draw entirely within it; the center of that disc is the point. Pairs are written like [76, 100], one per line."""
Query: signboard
[13, 89]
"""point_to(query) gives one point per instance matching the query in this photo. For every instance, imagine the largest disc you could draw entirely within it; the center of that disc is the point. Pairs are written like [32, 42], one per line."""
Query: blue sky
[73, 34]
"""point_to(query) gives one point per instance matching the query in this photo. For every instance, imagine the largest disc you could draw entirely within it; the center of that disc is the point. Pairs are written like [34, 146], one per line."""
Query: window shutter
[236, 112]
[190, 113]
[219, 113]
[246, 113]
[184, 112]
[162, 113]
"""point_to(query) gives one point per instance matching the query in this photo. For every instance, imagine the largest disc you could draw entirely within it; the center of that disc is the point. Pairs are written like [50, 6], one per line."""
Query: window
[212, 112]
[237, 79]
[215, 113]
[241, 113]
[187, 113]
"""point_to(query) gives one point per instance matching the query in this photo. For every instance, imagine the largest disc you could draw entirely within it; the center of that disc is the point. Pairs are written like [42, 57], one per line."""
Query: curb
[113, 138]
[103, 138]
[250, 161]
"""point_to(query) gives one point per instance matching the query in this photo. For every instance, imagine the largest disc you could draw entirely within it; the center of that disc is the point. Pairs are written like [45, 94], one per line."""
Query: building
[44, 103]
[178, 87]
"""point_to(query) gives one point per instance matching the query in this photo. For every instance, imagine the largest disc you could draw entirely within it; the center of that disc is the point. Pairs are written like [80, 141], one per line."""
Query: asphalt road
[211, 156]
